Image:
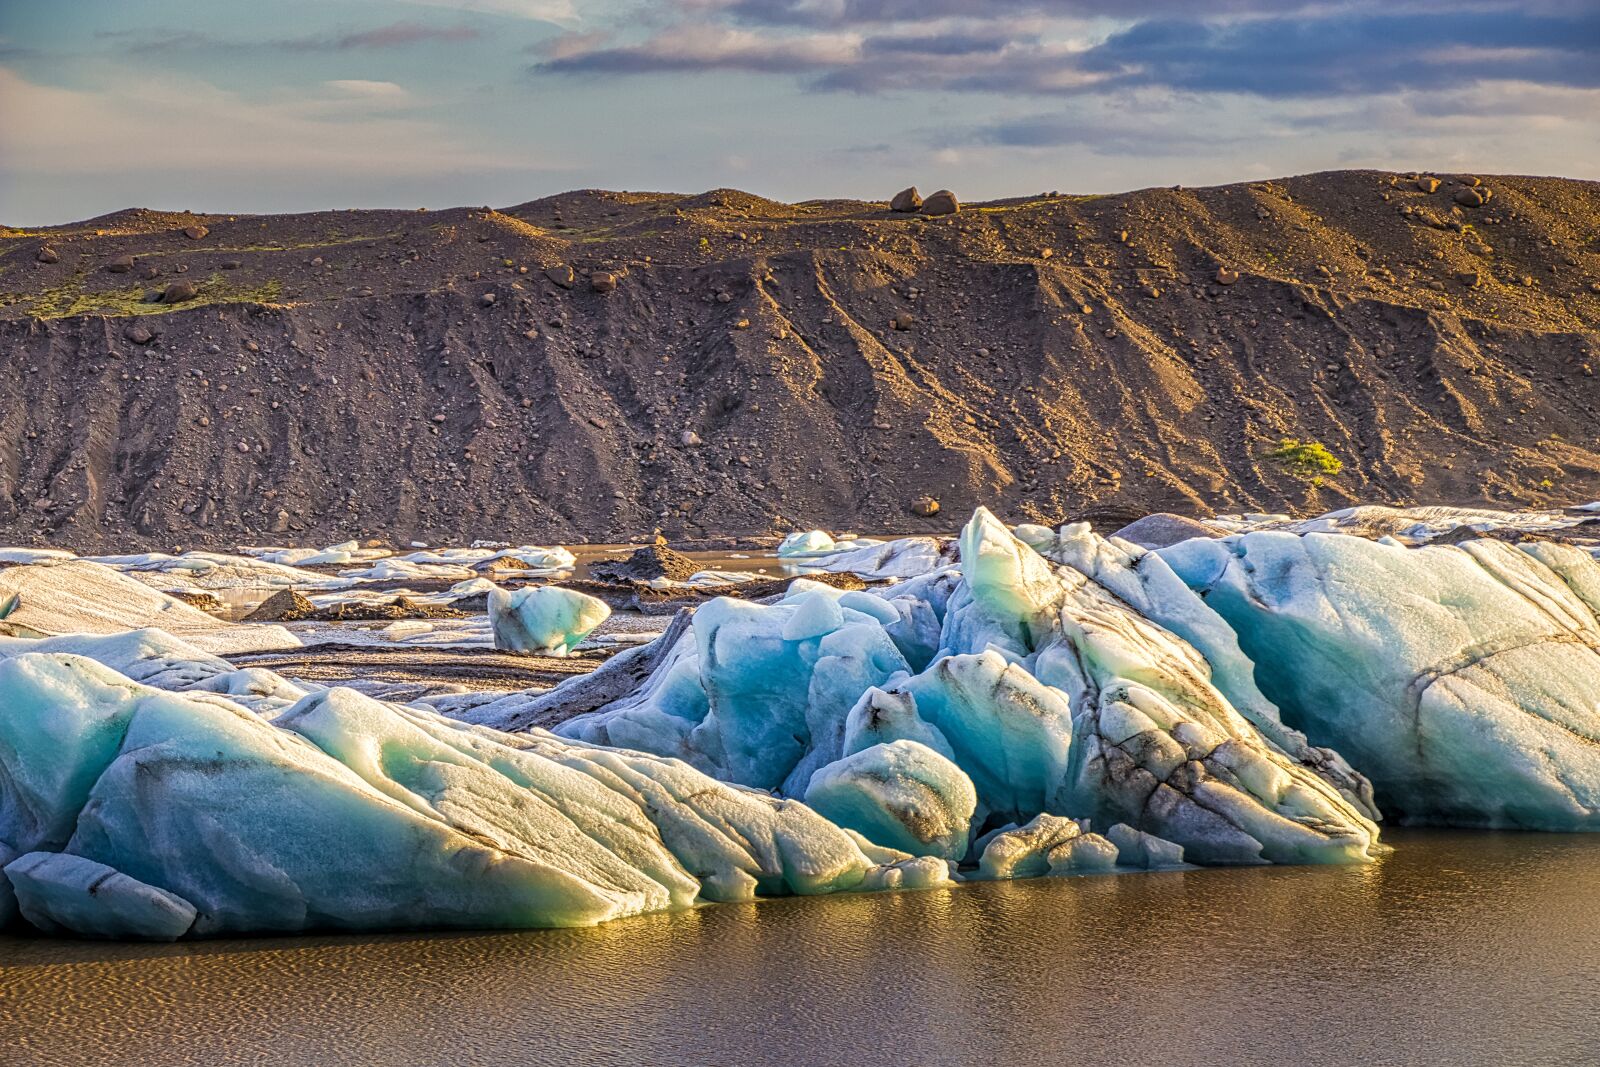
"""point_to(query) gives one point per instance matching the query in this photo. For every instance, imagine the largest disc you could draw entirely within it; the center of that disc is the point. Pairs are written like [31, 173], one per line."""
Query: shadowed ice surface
[1458, 948]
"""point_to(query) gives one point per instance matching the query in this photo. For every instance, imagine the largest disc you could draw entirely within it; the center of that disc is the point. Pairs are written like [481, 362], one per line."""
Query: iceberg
[545, 619]
[131, 811]
[1049, 692]
[1047, 845]
[1461, 679]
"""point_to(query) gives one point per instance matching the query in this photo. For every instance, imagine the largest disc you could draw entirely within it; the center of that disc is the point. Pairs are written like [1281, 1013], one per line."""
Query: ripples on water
[1459, 948]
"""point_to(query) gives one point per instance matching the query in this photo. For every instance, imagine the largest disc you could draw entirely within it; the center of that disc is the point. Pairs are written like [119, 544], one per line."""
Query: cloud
[369, 90]
[561, 12]
[401, 34]
[706, 48]
[393, 35]
[350, 127]
[1252, 49]
[1350, 53]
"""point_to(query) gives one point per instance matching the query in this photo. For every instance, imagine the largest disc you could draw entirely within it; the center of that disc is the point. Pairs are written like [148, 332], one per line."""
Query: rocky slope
[595, 364]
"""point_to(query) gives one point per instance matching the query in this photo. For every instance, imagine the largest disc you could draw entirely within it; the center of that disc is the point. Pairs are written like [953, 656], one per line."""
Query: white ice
[546, 619]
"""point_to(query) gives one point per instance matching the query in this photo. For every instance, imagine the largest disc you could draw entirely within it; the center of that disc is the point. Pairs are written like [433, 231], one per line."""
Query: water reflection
[1458, 948]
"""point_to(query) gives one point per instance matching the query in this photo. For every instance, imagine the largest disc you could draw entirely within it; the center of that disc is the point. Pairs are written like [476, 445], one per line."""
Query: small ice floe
[546, 619]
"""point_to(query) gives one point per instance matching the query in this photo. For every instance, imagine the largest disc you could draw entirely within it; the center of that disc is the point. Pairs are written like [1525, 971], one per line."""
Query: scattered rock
[602, 281]
[560, 274]
[139, 335]
[120, 265]
[231, 264]
[902, 321]
[925, 506]
[286, 605]
[906, 201]
[194, 233]
[943, 202]
[1226, 276]
[689, 439]
[1469, 198]
[178, 292]
[486, 300]
[1427, 185]
[197, 598]
[651, 561]
[1469, 278]
[46, 254]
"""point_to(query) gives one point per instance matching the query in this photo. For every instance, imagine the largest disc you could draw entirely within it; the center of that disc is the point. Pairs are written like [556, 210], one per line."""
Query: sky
[302, 105]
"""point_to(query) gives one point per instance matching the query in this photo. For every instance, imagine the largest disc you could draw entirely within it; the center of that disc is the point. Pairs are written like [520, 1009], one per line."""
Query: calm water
[1458, 949]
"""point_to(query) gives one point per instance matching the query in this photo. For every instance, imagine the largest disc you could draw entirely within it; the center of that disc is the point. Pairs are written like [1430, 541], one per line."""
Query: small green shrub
[1310, 460]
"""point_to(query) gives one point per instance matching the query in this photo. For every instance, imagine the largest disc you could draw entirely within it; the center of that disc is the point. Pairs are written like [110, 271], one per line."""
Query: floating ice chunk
[1144, 581]
[1022, 852]
[58, 893]
[390, 570]
[32, 555]
[923, 872]
[1153, 742]
[62, 720]
[1085, 854]
[902, 794]
[805, 543]
[906, 557]
[1460, 679]
[79, 597]
[1135, 848]
[471, 587]
[544, 619]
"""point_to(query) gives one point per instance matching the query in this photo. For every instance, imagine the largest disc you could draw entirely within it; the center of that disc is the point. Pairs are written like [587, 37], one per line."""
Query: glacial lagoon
[1459, 947]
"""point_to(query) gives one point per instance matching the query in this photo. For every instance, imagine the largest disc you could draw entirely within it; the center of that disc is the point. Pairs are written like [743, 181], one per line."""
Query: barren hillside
[757, 365]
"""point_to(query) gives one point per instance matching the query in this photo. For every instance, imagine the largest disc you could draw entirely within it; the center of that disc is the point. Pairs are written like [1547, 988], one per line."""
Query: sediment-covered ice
[901, 794]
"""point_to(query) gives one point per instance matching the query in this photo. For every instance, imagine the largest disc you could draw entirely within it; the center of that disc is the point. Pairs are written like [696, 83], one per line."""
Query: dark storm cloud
[841, 13]
[1353, 50]
[1330, 55]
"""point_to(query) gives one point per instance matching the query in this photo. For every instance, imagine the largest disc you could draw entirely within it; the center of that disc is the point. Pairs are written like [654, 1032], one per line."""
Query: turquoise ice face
[1461, 679]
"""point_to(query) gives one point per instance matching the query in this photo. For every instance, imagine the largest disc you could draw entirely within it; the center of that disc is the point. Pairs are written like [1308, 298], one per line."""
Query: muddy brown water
[1460, 948]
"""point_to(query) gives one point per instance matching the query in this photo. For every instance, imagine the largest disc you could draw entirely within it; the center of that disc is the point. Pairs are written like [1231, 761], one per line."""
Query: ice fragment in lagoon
[61, 893]
[544, 619]
[1461, 679]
